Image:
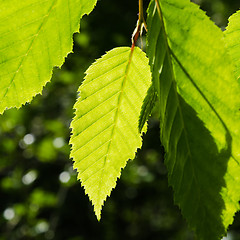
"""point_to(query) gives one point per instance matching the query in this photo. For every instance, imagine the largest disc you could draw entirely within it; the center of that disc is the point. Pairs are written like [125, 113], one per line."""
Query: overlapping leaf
[199, 114]
[147, 107]
[105, 128]
[232, 39]
[35, 36]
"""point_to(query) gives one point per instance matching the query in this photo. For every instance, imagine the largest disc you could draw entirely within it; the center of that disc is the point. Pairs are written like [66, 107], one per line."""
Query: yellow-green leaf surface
[105, 129]
[35, 36]
[232, 39]
[199, 114]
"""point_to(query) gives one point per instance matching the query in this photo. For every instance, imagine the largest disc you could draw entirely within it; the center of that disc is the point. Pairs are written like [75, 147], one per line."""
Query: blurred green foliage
[40, 197]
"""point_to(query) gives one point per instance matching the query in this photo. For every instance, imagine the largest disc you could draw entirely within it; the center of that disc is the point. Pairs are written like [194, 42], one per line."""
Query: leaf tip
[98, 215]
[97, 211]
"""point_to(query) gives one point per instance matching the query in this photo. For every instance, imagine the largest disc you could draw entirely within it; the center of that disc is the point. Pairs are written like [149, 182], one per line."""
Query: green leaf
[147, 107]
[232, 39]
[105, 129]
[199, 114]
[35, 36]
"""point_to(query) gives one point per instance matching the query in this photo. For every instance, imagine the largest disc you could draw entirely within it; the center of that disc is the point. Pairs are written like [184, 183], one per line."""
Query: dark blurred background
[40, 197]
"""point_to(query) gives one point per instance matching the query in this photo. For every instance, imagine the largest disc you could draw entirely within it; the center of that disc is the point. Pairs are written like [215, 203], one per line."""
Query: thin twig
[141, 23]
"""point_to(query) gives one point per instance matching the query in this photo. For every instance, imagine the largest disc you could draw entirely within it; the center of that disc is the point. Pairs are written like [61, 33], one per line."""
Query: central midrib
[115, 119]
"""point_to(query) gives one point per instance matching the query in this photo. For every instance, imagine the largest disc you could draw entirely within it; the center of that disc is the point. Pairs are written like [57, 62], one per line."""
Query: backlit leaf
[35, 36]
[105, 129]
[232, 39]
[147, 107]
[199, 114]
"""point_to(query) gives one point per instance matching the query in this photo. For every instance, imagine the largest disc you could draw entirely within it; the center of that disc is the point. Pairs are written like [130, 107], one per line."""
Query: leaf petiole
[141, 23]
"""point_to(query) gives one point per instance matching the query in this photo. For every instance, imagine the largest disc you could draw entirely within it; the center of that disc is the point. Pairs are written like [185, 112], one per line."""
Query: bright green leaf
[35, 36]
[199, 114]
[105, 128]
[232, 37]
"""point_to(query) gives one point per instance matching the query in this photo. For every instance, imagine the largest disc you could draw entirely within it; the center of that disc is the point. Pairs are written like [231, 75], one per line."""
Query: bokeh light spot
[30, 177]
[9, 214]
[29, 139]
[58, 142]
[41, 227]
[64, 177]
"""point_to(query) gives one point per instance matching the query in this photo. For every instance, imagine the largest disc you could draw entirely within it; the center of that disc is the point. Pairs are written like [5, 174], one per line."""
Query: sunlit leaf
[147, 107]
[105, 128]
[35, 36]
[232, 40]
[199, 114]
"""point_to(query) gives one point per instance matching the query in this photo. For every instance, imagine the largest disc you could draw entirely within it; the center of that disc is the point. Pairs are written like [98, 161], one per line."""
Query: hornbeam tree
[191, 69]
